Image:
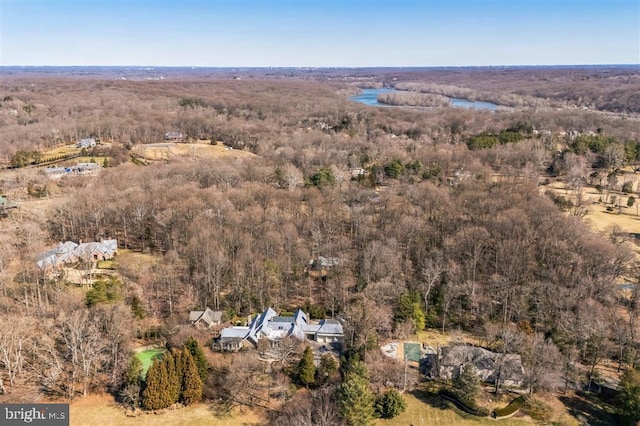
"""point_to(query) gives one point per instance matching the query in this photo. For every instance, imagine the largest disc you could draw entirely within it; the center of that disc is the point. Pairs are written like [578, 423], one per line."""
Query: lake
[370, 97]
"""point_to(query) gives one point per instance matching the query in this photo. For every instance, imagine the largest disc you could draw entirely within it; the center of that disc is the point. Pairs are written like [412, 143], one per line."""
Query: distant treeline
[503, 98]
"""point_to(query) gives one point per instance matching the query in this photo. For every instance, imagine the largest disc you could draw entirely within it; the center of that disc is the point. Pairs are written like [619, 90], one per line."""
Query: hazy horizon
[327, 34]
[303, 67]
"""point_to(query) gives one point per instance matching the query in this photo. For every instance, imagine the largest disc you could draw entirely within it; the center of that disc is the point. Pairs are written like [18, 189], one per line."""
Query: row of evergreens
[177, 376]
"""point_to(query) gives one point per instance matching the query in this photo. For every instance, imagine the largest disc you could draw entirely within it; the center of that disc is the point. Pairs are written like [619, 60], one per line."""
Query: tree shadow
[430, 398]
[589, 409]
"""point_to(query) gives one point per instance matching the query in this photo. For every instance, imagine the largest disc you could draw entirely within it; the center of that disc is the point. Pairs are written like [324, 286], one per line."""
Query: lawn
[60, 151]
[426, 409]
[103, 410]
[598, 217]
[147, 357]
[96, 159]
[105, 264]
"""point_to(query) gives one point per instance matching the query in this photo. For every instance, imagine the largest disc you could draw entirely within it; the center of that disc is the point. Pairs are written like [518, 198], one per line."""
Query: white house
[268, 325]
[86, 143]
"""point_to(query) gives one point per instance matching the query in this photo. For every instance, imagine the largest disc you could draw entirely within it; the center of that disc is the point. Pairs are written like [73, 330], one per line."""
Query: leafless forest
[443, 210]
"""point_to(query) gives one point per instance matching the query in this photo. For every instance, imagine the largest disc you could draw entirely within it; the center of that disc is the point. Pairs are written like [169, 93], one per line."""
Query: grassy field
[424, 409]
[96, 159]
[63, 150]
[103, 410]
[433, 337]
[627, 218]
[199, 150]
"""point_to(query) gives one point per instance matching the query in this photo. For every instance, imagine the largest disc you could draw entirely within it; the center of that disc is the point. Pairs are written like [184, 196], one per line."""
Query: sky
[321, 33]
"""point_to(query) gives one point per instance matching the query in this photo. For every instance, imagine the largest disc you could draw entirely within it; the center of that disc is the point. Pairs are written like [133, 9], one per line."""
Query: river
[370, 97]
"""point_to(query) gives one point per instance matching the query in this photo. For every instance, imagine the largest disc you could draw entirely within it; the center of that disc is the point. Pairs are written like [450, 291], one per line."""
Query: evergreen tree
[191, 383]
[355, 397]
[156, 394]
[132, 383]
[409, 307]
[199, 357]
[174, 382]
[133, 374]
[353, 365]
[467, 384]
[390, 404]
[306, 368]
[327, 368]
[630, 396]
[179, 360]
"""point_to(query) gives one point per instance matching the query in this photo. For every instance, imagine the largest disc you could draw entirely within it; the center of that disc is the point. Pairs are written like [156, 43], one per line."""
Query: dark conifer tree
[156, 394]
[306, 368]
[191, 383]
[198, 355]
[173, 377]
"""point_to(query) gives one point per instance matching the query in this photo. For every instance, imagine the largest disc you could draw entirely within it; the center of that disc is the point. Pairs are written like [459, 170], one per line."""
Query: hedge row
[510, 409]
[464, 406]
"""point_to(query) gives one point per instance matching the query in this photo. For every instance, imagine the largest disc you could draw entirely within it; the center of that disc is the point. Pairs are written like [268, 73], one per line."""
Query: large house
[268, 325]
[174, 136]
[86, 143]
[448, 362]
[70, 252]
[322, 262]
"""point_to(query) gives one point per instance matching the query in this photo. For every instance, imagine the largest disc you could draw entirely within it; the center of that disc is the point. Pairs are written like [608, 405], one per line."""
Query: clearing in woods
[199, 150]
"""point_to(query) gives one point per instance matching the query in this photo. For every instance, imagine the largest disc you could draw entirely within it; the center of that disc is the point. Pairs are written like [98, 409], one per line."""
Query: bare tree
[317, 408]
[83, 346]
[432, 272]
[16, 334]
[540, 358]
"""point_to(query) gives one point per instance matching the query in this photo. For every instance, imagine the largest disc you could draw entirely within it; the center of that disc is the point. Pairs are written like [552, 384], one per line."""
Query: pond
[370, 97]
[147, 356]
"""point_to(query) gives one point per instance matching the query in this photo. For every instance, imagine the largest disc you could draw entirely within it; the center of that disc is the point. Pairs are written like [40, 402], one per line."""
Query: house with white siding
[274, 328]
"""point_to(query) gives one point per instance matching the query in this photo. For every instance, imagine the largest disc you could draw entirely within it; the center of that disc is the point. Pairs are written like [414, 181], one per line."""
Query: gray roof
[84, 143]
[207, 316]
[234, 332]
[324, 262]
[47, 260]
[274, 327]
[111, 244]
[86, 167]
[283, 319]
[483, 360]
[55, 170]
[330, 326]
[69, 251]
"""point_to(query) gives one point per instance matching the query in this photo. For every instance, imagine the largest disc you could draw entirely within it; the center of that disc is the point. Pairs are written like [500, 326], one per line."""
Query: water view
[370, 97]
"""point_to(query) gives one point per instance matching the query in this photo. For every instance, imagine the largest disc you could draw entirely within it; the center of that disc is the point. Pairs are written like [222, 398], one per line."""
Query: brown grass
[199, 150]
[103, 410]
[63, 150]
[598, 217]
